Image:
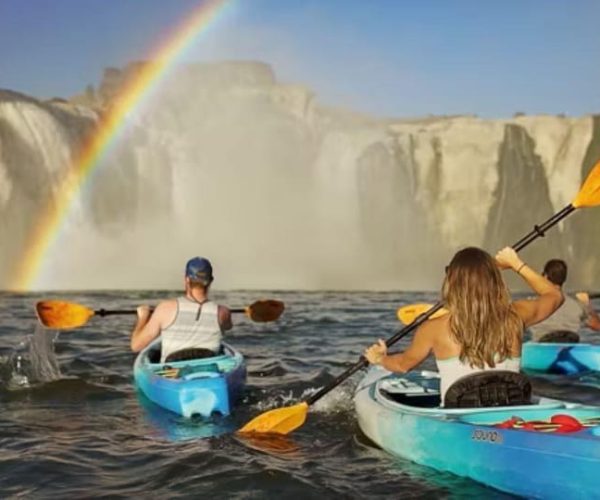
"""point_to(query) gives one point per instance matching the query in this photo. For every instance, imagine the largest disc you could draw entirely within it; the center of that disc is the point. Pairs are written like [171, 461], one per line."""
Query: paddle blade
[262, 311]
[407, 314]
[589, 194]
[62, 315]
[278, 421]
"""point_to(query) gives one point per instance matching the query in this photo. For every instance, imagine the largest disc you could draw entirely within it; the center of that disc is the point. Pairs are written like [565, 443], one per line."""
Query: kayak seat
[489, 389]
[191, 353]
[560, 337]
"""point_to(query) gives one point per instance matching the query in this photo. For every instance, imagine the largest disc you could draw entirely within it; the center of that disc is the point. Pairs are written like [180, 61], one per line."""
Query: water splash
[33, 361]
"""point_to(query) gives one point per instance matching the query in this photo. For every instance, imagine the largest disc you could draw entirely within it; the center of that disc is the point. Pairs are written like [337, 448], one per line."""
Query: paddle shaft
[363, 362]
[115, 312]
[537, 232]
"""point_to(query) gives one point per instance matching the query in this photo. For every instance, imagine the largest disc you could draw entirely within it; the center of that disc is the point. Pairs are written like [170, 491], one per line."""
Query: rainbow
[49, 223]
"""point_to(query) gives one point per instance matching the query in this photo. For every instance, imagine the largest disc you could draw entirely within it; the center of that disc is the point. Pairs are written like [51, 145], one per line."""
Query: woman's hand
[376, 352]
[507, 258]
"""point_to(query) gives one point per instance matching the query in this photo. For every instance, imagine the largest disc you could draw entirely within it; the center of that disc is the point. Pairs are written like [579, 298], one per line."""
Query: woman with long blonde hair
[483, 329]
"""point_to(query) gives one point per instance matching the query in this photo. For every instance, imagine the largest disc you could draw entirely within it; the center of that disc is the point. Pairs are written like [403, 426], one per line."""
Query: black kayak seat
[560, 337]
[489, 388]
[191, 353]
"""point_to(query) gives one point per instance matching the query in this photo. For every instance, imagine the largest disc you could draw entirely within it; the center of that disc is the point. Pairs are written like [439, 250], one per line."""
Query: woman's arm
[402, 362]
[549, 298]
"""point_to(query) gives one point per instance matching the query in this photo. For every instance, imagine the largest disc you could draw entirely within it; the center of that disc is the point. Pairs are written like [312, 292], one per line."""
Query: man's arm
[593, 319]
[149, 326]
[225, 318]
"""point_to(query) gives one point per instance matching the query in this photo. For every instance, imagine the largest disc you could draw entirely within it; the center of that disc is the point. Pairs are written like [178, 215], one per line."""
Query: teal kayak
[562, 359]
[401, 414]
[193, 387]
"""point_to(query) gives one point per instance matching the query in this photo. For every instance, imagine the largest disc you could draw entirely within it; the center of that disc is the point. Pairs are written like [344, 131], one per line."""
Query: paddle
[61, 315]
[285, 420]
[407, 314]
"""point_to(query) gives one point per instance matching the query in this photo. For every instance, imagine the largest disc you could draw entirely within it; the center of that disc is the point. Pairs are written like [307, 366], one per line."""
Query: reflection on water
[173, 427]
[86, 431]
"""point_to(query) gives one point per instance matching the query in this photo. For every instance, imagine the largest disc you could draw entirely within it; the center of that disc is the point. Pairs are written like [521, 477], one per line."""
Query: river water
[73, 425]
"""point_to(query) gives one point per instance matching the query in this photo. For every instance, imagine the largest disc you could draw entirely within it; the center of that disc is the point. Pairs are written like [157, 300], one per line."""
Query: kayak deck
[401, 414]
[199, 386]
[562, 359]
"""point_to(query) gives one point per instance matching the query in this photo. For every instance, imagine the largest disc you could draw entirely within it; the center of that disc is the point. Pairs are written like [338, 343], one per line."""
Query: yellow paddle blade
[262, 311]
[278, 421]
[589, 194]
[407, 314]
[62, 315]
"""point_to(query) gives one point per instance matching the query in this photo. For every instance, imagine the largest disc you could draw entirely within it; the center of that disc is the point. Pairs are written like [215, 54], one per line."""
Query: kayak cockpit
[419, 392]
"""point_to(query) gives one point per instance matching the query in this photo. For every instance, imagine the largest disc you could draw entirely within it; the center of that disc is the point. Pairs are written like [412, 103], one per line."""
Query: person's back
[195, 326]
[190, 326]
[569, 318]
[447, 353]
[483, 329]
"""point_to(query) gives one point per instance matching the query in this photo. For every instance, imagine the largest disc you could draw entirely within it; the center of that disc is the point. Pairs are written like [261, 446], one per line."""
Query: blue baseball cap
[199, 269]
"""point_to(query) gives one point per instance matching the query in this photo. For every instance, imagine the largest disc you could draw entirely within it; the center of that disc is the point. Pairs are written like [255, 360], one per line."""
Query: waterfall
[283, 192]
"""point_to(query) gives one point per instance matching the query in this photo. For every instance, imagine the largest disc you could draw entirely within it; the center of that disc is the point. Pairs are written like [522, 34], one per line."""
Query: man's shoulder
[166, 307]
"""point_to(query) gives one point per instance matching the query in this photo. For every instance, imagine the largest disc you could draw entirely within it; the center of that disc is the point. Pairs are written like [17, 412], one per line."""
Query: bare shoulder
[166, 306]
[165, 311]
[435, 326]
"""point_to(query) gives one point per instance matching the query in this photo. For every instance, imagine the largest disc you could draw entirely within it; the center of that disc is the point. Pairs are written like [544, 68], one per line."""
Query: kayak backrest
[560, 337]
[490, 388]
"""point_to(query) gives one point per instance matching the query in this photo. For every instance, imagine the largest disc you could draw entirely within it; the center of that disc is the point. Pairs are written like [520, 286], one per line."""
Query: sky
[391, 58]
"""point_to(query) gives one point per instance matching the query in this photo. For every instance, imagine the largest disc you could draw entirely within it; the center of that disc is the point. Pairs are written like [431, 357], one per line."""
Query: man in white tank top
[188, 322]
[574, 314]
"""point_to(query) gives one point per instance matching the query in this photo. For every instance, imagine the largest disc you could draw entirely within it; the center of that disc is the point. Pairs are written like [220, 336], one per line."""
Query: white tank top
[452, 369]
[195, 326]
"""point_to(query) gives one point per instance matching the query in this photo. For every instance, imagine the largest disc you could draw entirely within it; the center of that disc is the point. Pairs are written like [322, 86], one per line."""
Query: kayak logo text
[493, 437]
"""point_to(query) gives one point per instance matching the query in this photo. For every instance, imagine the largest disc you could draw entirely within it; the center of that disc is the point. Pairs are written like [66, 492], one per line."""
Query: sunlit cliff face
[281, 192]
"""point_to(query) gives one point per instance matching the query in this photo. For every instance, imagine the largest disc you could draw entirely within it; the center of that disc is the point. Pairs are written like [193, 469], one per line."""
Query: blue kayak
[401, 414]
[193, 387]
[563, 359]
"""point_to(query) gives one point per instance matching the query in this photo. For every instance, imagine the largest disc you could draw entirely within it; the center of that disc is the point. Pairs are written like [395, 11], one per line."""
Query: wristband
[521, 267]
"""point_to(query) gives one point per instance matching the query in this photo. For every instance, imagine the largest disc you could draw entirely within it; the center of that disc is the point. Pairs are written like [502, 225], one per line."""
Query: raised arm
[549, 297]
[593, 319]
[402, 362]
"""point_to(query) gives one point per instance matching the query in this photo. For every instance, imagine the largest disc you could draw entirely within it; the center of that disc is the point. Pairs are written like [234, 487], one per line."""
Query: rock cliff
[284, 192]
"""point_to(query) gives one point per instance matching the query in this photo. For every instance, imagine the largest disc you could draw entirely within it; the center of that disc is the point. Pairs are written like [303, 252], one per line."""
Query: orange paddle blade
[278, 421]
[262, 311]
[589, 194]
[407, 314]
[62, 315]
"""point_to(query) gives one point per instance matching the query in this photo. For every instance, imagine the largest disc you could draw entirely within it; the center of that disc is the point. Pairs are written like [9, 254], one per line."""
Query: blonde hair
[482, 319]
